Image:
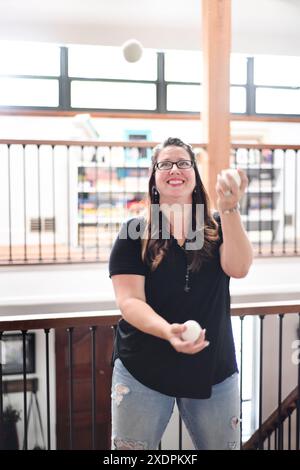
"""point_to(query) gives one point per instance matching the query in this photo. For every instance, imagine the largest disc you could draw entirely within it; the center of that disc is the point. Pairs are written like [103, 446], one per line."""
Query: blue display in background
[134, 156]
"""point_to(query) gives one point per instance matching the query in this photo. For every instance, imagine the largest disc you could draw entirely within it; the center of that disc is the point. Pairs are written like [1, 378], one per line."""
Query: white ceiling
[258, 26]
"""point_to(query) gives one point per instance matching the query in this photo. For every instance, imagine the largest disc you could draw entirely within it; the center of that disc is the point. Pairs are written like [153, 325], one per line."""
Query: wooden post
[216, 25]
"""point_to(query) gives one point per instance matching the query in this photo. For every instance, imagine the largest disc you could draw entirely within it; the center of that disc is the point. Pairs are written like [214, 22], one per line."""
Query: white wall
[21, 127]
[258, 26]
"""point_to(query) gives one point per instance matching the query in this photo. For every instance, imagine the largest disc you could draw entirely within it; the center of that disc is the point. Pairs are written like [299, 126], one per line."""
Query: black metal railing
[271, 208]
[67, 357]
[64, 201]
[272, 424]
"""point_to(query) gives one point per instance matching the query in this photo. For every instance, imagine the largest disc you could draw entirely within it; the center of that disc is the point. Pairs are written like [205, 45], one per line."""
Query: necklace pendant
[187, 289]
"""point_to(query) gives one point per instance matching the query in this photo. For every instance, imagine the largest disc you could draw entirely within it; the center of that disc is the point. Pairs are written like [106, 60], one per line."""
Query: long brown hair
[154, 250]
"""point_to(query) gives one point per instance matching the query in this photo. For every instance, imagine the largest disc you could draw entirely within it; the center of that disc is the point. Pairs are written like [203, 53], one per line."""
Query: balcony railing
[64, 201]
[73, 376]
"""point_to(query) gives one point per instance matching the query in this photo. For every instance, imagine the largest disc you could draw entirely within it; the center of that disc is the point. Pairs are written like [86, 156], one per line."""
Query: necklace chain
[187, 287]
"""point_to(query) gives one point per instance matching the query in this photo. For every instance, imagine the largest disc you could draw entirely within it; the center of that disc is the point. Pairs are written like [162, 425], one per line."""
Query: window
[184, 98]
[238, 69]
[108, 62]
[28, 92]
[183, 66]
[17, 58]
[237, 99]
[187, 66]
[277, 71]
[99, 78]
[277, 101]
[113, 95]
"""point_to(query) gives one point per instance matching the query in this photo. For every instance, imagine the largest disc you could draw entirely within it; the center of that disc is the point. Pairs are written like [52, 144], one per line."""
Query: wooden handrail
[139, 144]
[265, 146]
[79, 143]
[111, 317]
[266, 308]
[59, 320]
[84, 143]
[184, 116]
[287, 406]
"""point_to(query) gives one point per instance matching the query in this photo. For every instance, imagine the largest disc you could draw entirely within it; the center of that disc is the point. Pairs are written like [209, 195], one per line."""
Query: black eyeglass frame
[156, 166]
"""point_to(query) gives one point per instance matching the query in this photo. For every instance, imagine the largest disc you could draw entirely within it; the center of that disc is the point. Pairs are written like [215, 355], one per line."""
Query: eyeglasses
[167, 165]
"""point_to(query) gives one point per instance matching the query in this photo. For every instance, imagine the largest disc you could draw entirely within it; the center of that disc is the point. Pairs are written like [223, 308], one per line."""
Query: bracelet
[233, 209]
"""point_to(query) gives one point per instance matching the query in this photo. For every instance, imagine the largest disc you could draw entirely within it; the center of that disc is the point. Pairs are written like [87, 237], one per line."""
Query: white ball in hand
[132, 50]
[192, 332]
[235, 175]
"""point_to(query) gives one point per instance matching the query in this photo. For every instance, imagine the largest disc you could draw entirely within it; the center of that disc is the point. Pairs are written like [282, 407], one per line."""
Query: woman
[159, 284]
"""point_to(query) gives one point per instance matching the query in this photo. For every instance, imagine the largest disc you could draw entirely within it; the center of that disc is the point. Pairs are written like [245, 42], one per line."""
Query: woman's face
[175, 185]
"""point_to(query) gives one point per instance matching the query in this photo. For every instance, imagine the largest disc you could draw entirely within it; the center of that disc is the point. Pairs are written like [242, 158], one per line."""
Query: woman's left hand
[186, 347]
[228, 192]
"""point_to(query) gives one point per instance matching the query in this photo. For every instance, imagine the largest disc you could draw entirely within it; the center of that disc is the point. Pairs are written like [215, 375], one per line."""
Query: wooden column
[216, 27]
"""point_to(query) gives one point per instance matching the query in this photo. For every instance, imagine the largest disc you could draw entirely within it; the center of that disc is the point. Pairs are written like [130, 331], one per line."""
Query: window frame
[64, 84]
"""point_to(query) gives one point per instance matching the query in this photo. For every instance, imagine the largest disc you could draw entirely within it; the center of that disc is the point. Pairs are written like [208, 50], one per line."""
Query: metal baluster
[71, 398]
[24, 332]
[24, 205]
[289, 431]
[124, 182]
[241, 380]
[53, 201]
[259, 203]
[9, 202]
[269, 442]
[280, 437]
[180, 433]
[298, 398]
[1, 381]
[82, 215]
[39, 201]
[68, 204]
[110, 175]
[272, 203]
[97, 179]
[93, 344]
[248, 198]
[283, 201]
[261, 317]
[297, 155]
[46, 330]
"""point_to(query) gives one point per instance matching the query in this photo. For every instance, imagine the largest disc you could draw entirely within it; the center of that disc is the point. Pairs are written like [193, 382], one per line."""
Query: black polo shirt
[153, 361]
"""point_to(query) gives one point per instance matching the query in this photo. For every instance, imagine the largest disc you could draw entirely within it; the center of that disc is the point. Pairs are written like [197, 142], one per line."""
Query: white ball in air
[192, 332]
[132, 50]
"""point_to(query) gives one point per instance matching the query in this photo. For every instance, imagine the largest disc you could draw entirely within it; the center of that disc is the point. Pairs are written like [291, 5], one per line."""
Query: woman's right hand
[186, 347]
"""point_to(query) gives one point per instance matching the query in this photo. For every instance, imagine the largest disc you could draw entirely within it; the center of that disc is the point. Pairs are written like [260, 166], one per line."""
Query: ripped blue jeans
[140, 415]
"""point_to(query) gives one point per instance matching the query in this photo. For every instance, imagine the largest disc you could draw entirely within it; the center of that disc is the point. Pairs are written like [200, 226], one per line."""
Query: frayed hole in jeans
[129, 444]
[234, 422]
[120, 391]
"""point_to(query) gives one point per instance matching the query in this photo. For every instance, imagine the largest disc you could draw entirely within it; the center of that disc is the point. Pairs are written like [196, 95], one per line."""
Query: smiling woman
[162, 277]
